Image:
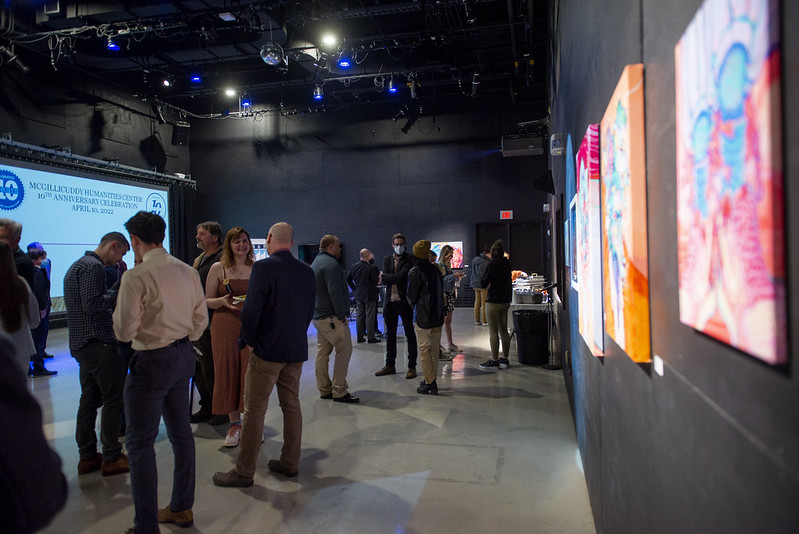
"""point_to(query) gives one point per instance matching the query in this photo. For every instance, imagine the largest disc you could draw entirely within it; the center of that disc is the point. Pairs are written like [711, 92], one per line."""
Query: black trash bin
[531, 328]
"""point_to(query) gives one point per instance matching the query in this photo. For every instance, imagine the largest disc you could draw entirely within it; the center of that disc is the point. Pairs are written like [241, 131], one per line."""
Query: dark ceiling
[431, 50]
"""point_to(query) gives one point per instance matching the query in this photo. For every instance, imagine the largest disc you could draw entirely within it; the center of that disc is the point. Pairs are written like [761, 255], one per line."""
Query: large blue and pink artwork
[625, 255]
[589, 241]
[729, 177]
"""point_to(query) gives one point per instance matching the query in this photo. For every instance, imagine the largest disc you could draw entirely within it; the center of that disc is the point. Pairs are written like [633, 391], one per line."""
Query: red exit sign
[506, 214]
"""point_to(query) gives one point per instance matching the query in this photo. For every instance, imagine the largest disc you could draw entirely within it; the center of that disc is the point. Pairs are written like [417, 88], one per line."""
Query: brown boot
[386, 370]
[411, 373]
[89, 466]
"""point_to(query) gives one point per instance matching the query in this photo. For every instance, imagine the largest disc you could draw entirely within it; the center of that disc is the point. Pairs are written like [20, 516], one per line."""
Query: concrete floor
[494, 452]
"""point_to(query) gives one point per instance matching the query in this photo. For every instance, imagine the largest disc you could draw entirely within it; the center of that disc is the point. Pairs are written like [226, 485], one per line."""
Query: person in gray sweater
[330, 320]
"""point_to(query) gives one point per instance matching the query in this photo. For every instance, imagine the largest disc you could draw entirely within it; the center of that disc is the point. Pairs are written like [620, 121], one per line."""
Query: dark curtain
[181, 233]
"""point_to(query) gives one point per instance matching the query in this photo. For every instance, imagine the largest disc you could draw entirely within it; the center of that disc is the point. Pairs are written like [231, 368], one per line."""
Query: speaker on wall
[180, 133]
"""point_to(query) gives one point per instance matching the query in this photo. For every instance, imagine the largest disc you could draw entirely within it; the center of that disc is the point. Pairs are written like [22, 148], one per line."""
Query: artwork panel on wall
[730, 207]
[573, 240]
[457, 252]
[589, 242]
[624, 217]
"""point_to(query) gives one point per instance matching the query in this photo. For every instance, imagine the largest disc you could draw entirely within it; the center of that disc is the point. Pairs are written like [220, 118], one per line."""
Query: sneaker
[233, 435]
[386, 370]
[477, 323]
[182, 519]
[454, 348]
[490, 364]
[411, 373]
[117, 467]
[485, 324]
[504, 363]
[444, 357]
[428, 389]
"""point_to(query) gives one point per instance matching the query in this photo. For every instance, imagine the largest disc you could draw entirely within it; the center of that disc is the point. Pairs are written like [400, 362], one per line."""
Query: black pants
[392, 312]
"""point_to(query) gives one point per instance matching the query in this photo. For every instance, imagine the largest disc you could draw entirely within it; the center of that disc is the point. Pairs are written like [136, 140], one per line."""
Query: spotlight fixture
[344, 60]
[112, 45]
[272, 54]
[227, 16]
[230, 92]
[329, 40]
[245, 101]
[166, 82]
[318, 93]
[196, 78]
[392, 88]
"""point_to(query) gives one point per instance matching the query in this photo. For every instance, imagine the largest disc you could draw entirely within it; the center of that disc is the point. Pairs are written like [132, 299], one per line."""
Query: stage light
[329, 40]
[230, 92]
[112, 45]
[166, 82]
[196, 78]
[227, 16]
[392, 88]
[318, 93]
[272, 54]
[344, 60]
[245, 101]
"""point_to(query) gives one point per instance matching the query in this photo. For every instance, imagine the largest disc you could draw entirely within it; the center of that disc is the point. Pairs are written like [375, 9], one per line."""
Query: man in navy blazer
[274, 325]
[362, 278]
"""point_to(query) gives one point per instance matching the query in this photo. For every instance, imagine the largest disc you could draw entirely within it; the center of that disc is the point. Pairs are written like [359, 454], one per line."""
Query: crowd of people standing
[239, 328]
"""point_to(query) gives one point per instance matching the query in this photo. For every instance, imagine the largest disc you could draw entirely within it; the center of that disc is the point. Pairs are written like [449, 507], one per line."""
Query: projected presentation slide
[69, 214]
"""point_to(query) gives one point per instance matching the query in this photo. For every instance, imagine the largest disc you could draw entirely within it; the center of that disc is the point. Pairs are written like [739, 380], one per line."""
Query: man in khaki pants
[330, 320]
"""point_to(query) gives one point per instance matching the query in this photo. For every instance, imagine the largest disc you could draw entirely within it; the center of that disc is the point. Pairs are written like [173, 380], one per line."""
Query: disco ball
[272, 54]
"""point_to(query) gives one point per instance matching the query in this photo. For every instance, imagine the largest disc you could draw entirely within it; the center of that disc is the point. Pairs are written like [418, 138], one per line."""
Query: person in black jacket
[395, 277]
[362, 278]
[31, 482]
[497, 279]
[41, 290]
[426, 295]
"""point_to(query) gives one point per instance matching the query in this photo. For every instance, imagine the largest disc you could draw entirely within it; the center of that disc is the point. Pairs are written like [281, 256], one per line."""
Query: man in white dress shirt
[161, 309]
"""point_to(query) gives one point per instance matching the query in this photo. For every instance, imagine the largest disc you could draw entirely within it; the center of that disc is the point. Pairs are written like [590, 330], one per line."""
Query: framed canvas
[589, 242]
[457, 251]
[730, 203]
[624, 238]
[573, 241]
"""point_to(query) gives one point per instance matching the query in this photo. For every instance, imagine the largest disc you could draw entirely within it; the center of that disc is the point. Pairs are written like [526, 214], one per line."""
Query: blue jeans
[158, 385]
[102, 379]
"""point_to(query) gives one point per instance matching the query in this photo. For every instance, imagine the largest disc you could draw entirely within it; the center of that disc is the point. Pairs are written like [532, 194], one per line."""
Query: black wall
[713, 445]
[356, 175]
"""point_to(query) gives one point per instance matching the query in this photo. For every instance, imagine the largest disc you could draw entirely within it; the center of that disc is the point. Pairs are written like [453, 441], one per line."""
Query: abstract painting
[731, 261]
[457, 252]
[589, 241]
[624, 240]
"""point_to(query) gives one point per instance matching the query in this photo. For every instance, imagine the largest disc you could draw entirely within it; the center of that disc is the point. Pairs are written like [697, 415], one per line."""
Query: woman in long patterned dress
[227, 279]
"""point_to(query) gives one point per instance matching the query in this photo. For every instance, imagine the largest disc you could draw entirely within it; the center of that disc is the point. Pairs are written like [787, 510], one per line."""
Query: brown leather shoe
[231, 479]
[181, 519]
[274, 466]
[411, 373]
[386, 370]
[116, 467]
[90, 466]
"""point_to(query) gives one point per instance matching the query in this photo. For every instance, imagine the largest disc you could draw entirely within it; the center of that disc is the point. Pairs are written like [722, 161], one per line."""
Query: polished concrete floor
[494, 452]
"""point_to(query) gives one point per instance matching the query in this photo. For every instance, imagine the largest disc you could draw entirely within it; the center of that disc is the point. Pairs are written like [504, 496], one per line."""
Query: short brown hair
[326, 241]
[399, 235]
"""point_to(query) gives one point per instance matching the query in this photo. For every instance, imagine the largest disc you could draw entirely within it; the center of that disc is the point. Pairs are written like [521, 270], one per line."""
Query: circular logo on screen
[11, 190]
[156, 204]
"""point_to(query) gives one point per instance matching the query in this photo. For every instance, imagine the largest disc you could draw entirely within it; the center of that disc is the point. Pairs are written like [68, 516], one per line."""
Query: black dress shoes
[348, 398]
[428, 389]
[199, 417]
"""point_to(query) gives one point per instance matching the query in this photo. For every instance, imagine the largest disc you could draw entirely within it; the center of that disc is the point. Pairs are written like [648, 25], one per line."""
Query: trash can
[531, 328]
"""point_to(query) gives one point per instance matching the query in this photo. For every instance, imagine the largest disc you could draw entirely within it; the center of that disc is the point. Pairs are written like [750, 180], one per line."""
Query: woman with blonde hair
[224, 291]
[19, 311]
[450, 278]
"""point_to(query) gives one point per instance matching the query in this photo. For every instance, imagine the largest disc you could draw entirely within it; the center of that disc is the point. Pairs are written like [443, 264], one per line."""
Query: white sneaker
[233, 436]
[477, 323]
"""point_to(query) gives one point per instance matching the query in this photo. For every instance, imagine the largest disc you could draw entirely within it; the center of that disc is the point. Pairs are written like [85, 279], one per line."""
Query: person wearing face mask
[395, 277]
